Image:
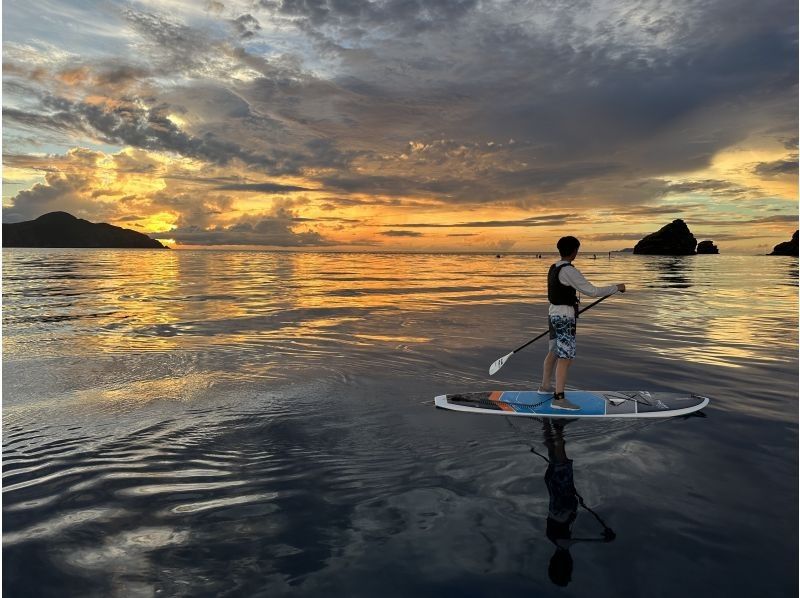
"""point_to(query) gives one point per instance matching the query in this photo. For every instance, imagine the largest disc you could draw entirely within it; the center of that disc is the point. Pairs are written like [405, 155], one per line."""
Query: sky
[411, 125]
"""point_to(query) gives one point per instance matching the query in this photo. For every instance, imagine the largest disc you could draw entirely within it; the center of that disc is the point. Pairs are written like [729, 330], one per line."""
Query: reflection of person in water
[564, 502]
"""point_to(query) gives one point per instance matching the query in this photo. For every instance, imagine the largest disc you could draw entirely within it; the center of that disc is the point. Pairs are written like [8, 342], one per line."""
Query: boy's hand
[621, 288]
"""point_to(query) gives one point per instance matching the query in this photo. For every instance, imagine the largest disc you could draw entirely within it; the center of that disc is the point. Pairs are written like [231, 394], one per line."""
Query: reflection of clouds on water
[713, 312]
[261, 413]
[672, 272]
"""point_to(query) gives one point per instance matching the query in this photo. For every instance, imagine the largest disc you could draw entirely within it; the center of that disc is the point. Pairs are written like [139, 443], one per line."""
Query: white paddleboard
[592, 403]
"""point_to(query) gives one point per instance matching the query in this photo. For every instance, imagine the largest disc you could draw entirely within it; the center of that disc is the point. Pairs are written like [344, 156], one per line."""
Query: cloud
[70, 190]
[579, 106]
[359, 17]
[551, 220]
[501, 245]
[274, 230]
[261, 187]
[698, 186]
[783, 167]
[614, 236]
[246, 26]
[401, 233]
[777, 219]
[656, 188]
[146, 128]
[669, 210]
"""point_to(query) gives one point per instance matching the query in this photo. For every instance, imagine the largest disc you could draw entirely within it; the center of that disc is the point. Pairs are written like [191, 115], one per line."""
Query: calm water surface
[192, 423]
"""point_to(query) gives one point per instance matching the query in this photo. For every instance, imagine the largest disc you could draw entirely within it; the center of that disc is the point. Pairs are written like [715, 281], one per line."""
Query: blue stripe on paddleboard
[523, 401]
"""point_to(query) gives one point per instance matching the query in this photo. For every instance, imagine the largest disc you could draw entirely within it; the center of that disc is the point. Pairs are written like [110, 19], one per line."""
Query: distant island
[787, 247]
[673, 239]
[707, 247]
[60, 229]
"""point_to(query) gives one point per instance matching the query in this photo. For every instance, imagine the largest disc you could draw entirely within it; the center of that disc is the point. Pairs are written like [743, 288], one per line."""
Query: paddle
[501, 362]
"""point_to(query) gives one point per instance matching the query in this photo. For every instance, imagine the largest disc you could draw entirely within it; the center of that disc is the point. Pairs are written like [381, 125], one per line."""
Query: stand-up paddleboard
[592, 403]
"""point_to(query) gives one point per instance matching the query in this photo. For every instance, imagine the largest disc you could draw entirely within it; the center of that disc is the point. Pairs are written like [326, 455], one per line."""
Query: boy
[563, 283]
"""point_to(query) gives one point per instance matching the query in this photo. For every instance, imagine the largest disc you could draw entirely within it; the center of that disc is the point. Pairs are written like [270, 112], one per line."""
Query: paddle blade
[499, 363]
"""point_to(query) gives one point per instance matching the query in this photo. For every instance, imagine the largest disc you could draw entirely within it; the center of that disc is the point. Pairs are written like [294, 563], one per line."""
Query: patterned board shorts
[562, 336]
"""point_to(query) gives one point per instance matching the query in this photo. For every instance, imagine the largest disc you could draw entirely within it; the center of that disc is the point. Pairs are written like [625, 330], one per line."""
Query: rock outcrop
[787, 247]
[59, 229]
[707, 247]
[673, 239]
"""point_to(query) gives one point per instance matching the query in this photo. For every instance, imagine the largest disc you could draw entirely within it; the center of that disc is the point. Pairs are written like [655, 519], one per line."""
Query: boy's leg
[562, 369]
[547, 371]
[565, 352]
[559, 400]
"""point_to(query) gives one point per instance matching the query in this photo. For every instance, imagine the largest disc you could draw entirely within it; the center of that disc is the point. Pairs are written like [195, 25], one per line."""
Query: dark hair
[567, 245]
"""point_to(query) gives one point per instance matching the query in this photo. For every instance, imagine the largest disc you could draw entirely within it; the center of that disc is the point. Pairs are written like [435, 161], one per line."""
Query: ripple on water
[259, 414]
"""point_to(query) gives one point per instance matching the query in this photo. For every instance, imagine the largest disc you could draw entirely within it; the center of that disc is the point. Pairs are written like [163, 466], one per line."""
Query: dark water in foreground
[260, 424]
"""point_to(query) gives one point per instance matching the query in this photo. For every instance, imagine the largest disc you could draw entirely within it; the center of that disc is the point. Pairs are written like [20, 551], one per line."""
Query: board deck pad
[592, 403]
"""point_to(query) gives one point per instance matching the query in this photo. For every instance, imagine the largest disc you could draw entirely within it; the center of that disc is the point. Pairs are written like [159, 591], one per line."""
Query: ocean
[244, 423]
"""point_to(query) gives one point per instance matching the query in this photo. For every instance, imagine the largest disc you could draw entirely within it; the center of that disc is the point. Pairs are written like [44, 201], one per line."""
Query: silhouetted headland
[672, 239]
[60, 229]
[787, 247]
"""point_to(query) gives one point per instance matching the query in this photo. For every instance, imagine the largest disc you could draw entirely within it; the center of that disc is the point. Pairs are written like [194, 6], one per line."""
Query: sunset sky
[404, 124]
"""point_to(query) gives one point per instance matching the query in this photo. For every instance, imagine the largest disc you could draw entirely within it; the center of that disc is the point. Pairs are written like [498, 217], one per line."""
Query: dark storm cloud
[777, 168]
[581, 93]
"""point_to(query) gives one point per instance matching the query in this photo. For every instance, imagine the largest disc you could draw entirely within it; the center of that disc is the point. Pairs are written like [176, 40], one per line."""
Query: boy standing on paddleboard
[563, 283]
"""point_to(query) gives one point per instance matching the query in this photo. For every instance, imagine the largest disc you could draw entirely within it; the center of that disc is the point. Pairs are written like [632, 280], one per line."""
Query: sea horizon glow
[451, 126]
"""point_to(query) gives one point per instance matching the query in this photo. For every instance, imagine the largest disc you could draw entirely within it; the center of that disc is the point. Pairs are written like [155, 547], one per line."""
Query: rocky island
[787, 247]
[707, 247]
[60, 229]
[673, 239]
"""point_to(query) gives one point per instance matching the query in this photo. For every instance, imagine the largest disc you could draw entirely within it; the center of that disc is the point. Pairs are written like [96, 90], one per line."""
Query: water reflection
[564, 503]
[672, 272]
[254, 418]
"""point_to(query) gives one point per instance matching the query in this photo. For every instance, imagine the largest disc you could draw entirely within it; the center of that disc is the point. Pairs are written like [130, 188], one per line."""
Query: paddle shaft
[590, 306]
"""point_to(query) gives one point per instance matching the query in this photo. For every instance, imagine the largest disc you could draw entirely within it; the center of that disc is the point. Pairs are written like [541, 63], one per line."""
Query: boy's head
[567, 246]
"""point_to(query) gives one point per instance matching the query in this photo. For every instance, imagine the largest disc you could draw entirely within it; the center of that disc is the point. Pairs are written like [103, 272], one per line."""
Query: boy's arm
[571, 276]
